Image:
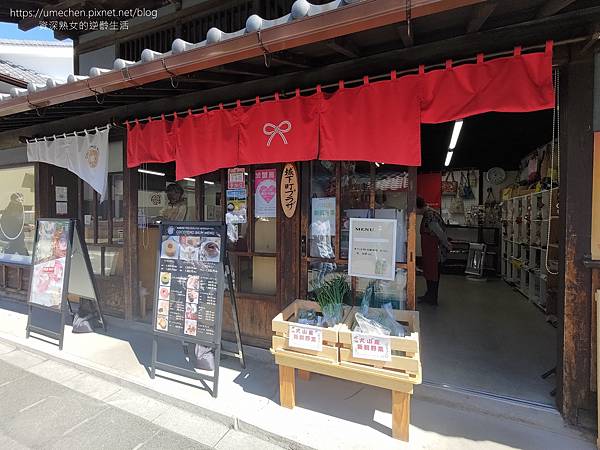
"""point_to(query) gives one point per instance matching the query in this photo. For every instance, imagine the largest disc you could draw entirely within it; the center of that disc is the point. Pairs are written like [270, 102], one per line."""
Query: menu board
[189, 294]
[49, 262]
[372, 248]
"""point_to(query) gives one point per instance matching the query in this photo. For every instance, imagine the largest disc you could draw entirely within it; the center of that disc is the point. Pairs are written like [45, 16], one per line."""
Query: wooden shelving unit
[525, 246]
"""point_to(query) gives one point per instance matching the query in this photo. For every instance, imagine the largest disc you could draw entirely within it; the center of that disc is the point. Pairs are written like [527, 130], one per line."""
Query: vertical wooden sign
[288, 190]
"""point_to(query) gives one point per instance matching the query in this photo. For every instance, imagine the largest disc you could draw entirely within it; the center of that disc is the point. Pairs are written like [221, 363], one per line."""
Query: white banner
[85, 156]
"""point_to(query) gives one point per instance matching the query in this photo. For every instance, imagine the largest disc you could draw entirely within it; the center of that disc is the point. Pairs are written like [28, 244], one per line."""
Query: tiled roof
[254, 23]
[35, 43]
[19, 72]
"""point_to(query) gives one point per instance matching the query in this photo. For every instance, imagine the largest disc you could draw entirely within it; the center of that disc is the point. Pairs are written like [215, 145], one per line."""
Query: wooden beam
[551, 7]
[576, 167]
[344, 46]
[292, 60]
[480, 15]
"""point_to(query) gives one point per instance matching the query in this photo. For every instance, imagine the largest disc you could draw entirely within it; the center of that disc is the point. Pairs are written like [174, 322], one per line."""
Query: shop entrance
[496, 332]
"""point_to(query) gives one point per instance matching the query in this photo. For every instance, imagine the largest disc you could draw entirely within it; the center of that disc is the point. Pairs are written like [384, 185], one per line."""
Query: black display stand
[189, 271]
[55, 240]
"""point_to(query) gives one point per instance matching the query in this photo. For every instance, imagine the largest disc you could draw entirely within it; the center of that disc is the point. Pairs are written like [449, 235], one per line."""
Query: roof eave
[353, 18]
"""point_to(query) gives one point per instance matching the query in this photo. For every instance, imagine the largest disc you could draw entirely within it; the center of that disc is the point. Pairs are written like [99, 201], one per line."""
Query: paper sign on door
[367, 346]
[309, 338]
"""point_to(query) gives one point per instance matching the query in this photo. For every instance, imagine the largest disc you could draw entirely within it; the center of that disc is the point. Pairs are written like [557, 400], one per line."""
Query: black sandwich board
[188, 304]
[60, 266]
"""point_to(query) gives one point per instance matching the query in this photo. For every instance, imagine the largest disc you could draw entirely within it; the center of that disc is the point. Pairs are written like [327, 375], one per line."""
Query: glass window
[118, 213]
[355, 197]
[323, 221]
[236, 213]
[265, 210]
[256, 274]
[213, 204]
[17, 219]
[153, 197]
[391, 202]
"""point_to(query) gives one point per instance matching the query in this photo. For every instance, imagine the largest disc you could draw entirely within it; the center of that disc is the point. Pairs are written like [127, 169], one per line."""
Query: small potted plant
[330, 297]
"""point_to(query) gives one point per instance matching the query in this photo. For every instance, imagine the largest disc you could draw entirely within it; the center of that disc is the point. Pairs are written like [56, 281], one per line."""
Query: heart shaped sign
[267, 190]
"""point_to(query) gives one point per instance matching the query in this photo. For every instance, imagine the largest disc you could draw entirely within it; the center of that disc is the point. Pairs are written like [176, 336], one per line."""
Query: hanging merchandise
[466, 190]
[449, 184]
[457, 206]
[473, 178]
[532, 169]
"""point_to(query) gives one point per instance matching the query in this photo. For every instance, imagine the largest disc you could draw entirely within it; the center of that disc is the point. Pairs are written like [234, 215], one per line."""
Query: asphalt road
[37, 413]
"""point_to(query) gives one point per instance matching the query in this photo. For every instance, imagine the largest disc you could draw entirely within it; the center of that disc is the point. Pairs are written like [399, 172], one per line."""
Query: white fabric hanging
[85, 156]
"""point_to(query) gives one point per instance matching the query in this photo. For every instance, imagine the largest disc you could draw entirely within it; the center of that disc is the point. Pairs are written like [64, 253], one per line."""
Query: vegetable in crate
[330, 297]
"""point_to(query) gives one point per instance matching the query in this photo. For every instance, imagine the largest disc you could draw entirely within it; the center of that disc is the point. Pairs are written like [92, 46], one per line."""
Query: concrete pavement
[45, 404]
[330, 413]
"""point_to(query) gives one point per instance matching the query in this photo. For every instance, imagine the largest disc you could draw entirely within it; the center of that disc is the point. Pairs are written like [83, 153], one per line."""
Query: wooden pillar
[130, 238]
[575, 306]
[411, 259]
[400, 415]
[287, 387]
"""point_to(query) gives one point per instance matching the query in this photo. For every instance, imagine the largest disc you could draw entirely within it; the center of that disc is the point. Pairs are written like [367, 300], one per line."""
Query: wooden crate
[405, 363]
[280, 325]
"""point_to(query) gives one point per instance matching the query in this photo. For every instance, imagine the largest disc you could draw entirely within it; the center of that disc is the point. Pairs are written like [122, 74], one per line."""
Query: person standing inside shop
[434, 248]
[177, 209]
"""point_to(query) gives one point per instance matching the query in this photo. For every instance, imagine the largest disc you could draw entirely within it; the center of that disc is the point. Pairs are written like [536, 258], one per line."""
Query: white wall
[103, 57]
[56, 61]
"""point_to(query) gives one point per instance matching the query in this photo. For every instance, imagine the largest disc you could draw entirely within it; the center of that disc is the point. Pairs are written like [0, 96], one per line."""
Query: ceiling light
[190, 179]
[151, 172]
[455, 133]
[448, 158]
[246, 173]
[208, 182]
[377, 164]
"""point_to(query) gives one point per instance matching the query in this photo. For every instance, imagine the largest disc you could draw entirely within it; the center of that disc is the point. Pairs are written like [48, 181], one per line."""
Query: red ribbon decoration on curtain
[151, 142]
[376, 122]
[519, 83]
[280, 130]
[207, 142]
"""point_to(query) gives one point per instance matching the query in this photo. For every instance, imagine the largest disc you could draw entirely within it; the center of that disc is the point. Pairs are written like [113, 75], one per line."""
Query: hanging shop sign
[367, 346]
[188, 306]
[235, 178]
[323, 216]
[61, 266]
[265, 193]
[288, 190]
[236, 206]
[372, 248]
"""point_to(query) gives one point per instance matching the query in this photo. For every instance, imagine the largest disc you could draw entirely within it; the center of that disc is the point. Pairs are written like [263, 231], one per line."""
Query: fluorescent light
[190, 179]
[455, 133]
[151, 172]
[208, 182]
[448, 158]
[377, 164]
[246, 173]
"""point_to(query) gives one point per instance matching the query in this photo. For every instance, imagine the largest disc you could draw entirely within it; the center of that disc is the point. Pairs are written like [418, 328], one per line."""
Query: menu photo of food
[189, 248]
[162, 323]
[47, 284]
[164, 293]
[191, 311]
[210, 249]
[170, 247]
[192, 296]
[52, 241]
[165, 279]
[193, 282]
[190, 327]
[163, 308]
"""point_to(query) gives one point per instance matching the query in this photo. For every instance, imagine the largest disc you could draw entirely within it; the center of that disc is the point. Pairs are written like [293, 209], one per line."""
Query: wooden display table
[399, 375]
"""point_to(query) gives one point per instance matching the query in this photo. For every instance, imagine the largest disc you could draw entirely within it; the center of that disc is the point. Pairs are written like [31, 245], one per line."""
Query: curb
[232, 422]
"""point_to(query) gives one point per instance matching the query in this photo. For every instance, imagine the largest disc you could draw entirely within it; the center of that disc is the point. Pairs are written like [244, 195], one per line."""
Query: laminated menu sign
[372, 248]
[366, 346]
[49, 262]
[189, 292]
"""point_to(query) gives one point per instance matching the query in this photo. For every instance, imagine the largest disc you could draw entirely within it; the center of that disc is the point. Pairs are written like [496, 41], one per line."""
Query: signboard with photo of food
[189, 280]
[49, 261]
